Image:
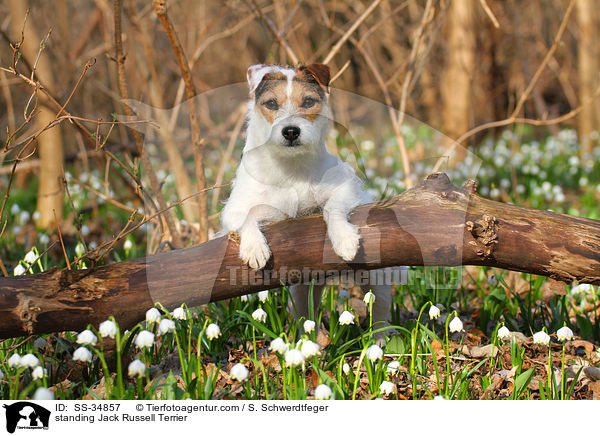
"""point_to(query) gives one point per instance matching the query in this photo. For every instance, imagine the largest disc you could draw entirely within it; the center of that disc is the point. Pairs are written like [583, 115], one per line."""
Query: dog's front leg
[343, 235]
[254, 249]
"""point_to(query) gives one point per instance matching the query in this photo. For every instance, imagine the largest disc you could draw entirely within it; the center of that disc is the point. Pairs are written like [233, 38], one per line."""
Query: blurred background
[515, 83]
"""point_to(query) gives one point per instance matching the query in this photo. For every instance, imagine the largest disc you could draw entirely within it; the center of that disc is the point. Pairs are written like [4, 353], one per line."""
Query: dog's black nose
[290, 133]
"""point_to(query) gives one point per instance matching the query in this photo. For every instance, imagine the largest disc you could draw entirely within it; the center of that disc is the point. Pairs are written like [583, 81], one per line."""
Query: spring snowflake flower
[541, 337]
[43, 394]
[323, 392]
[213, 331]
[598, 353]
[30, 257]
[107, 328]
[244, 298]
[79, 249]
[128, 245]
[259, 315]
[82, 354]
[344, 295]
[1, 375]
[38, 373]
[309, 349]
[165, 326]
[374, 352]
[564, 334]
[14, 361]
[278, 345]
[456, 325]
[393, 367]
[136, 368]
[87, 337]
[492, 280]
[504, 332]
[346, 368]
[153, 315]
[583, 288]
[369, 298]
[294, 357]
[19, 270]
[15, 209]
[346, 318]
[387, 387]
[239, 372]
[30, 360]
[179, 314]
[309, 325]
[434, 312]
[144, 339]
[44, 239]
[263, 296]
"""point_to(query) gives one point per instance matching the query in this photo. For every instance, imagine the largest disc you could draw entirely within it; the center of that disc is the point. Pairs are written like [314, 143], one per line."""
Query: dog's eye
[308, 102]
[271, 104]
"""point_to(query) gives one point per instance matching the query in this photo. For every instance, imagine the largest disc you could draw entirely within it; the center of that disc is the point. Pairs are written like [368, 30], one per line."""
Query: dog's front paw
[345, 240]
[254, 250]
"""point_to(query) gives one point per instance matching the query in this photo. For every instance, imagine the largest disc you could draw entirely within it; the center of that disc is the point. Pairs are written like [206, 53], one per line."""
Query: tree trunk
[456, 81]
[435, 223]
[50, 143]
[588, 67]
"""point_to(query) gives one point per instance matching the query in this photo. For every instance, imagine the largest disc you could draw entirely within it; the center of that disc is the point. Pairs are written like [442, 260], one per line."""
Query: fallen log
[435, 223]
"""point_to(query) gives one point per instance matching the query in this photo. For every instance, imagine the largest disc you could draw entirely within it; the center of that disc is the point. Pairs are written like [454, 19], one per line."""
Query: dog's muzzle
[291, 134]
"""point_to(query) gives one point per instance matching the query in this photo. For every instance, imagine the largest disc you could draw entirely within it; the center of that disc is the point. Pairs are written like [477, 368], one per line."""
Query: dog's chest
[297, 199]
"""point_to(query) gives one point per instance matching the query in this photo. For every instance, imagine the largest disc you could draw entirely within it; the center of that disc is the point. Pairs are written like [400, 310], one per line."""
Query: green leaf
[521, 383]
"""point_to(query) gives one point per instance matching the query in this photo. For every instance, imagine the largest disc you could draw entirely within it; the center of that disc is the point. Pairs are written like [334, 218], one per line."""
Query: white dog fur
[279, 178]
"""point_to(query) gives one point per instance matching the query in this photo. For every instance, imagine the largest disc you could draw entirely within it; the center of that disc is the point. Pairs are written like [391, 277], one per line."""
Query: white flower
[309, 325]
[1, 375]
[14, 361]
[19, 270]
[87, 337]
[346, 318]
[128, 245]
[583, 288]
[30, 257]
[541, 337]
[259, 315]
[374, 352]
[213, 331]
[278, 345]
[82, 354]
[344, 295]
[387, 387]
[136, 368]
[24, 217]
[15, 209]
[323, 392]
[369, 298]
[598, 353]
[79, 249]
[44, 239]
[85, 230]
[153, 315]
[144, 339]
[492, 280]
[564, 334]
[38, 373]
[107, 328]
[434, 312]
[456, 325]
[43, 394]
[263, 296]
[179, 313]
[244, 298]
[30, 360]
[504, 332]
[294, 357]
[309, 349]
[346, 368]
[393, 367]
[239, 372]
[36, 215]
[165, 326]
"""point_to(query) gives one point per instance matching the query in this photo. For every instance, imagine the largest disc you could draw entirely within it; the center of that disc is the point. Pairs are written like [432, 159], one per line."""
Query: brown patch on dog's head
[319, 73]
[270, 94]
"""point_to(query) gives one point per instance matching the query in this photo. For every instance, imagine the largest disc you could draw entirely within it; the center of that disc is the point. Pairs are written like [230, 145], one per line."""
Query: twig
[62, 244]
[489, 13]
[160, 8]
[273, 31]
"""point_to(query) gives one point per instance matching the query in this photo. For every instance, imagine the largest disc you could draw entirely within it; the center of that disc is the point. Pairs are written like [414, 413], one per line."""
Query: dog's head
[289, 108]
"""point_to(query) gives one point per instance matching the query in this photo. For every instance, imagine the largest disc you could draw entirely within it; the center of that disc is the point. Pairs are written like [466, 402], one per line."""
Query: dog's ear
[321, 73]
[255, 75]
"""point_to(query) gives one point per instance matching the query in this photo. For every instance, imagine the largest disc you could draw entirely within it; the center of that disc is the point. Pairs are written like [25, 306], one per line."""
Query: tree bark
[435, 223]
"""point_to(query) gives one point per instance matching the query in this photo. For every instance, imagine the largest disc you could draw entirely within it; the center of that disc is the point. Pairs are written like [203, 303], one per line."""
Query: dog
[286, 172]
